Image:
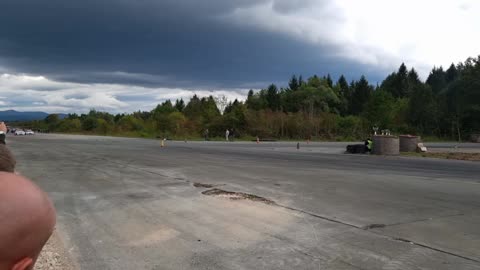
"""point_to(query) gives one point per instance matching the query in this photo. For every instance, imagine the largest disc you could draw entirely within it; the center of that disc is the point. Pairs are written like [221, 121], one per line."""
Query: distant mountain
[11, 116]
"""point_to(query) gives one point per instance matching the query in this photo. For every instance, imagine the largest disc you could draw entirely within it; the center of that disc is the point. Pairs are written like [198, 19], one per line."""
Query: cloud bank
[37, 93]
[110, 51]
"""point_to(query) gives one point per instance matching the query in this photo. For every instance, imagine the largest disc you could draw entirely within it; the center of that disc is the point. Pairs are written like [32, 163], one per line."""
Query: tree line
[446, 105]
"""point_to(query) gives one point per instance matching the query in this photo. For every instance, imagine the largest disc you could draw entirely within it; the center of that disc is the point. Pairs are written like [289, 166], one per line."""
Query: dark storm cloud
[164, 43]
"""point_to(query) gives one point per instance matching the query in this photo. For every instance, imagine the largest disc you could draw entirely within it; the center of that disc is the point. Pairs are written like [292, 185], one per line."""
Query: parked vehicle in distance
[29, 132]
[19, 132]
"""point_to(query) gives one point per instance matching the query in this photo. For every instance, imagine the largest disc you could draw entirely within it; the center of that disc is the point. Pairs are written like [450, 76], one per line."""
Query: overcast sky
[126, 55]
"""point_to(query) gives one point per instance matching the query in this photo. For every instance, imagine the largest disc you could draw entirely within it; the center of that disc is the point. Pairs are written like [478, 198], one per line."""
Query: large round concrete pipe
[409, 143]
[386, 145]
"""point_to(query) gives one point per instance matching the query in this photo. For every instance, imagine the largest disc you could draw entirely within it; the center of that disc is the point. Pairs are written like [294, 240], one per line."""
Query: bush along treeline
[446, 106]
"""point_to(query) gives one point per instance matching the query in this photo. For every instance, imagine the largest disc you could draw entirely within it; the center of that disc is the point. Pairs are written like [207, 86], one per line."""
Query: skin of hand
[3, 127]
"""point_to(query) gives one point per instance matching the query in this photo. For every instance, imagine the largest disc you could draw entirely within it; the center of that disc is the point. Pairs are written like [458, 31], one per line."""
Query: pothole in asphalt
[236, 196]
[374, 226]
[201, 185]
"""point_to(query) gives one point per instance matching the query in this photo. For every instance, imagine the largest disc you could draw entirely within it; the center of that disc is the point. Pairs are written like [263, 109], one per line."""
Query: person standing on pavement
[227, 134]
[3, 133]
[7, 160]
[205, 134]
[368, 145]
[232, 134]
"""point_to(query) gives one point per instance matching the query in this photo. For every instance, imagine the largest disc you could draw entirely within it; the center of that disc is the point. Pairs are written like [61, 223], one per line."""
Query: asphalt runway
[131, 204]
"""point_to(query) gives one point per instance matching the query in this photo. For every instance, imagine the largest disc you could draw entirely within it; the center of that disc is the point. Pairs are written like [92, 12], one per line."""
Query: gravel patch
[236, 196]
[54, 256]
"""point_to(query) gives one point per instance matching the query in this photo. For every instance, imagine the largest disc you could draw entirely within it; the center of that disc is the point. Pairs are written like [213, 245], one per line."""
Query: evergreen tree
[413, 81]
[344, 94]
[256, 101]
[451, 74]
[193, 110]
[421, 109]
[315, 81]
[209, 110]
[437, 80]
[293, 83]
[343, 86]
[300, 81]
[397, 82]
[413, 78]
[401, 83]
[463, 97]
[250, 94]
[329, 81]
[180, 105]
[273, 98]
[361, 94]
[250, 102]
[162, 109]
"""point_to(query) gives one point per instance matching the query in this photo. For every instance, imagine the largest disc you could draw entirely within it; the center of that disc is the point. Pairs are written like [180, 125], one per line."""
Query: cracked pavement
[130, 204]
